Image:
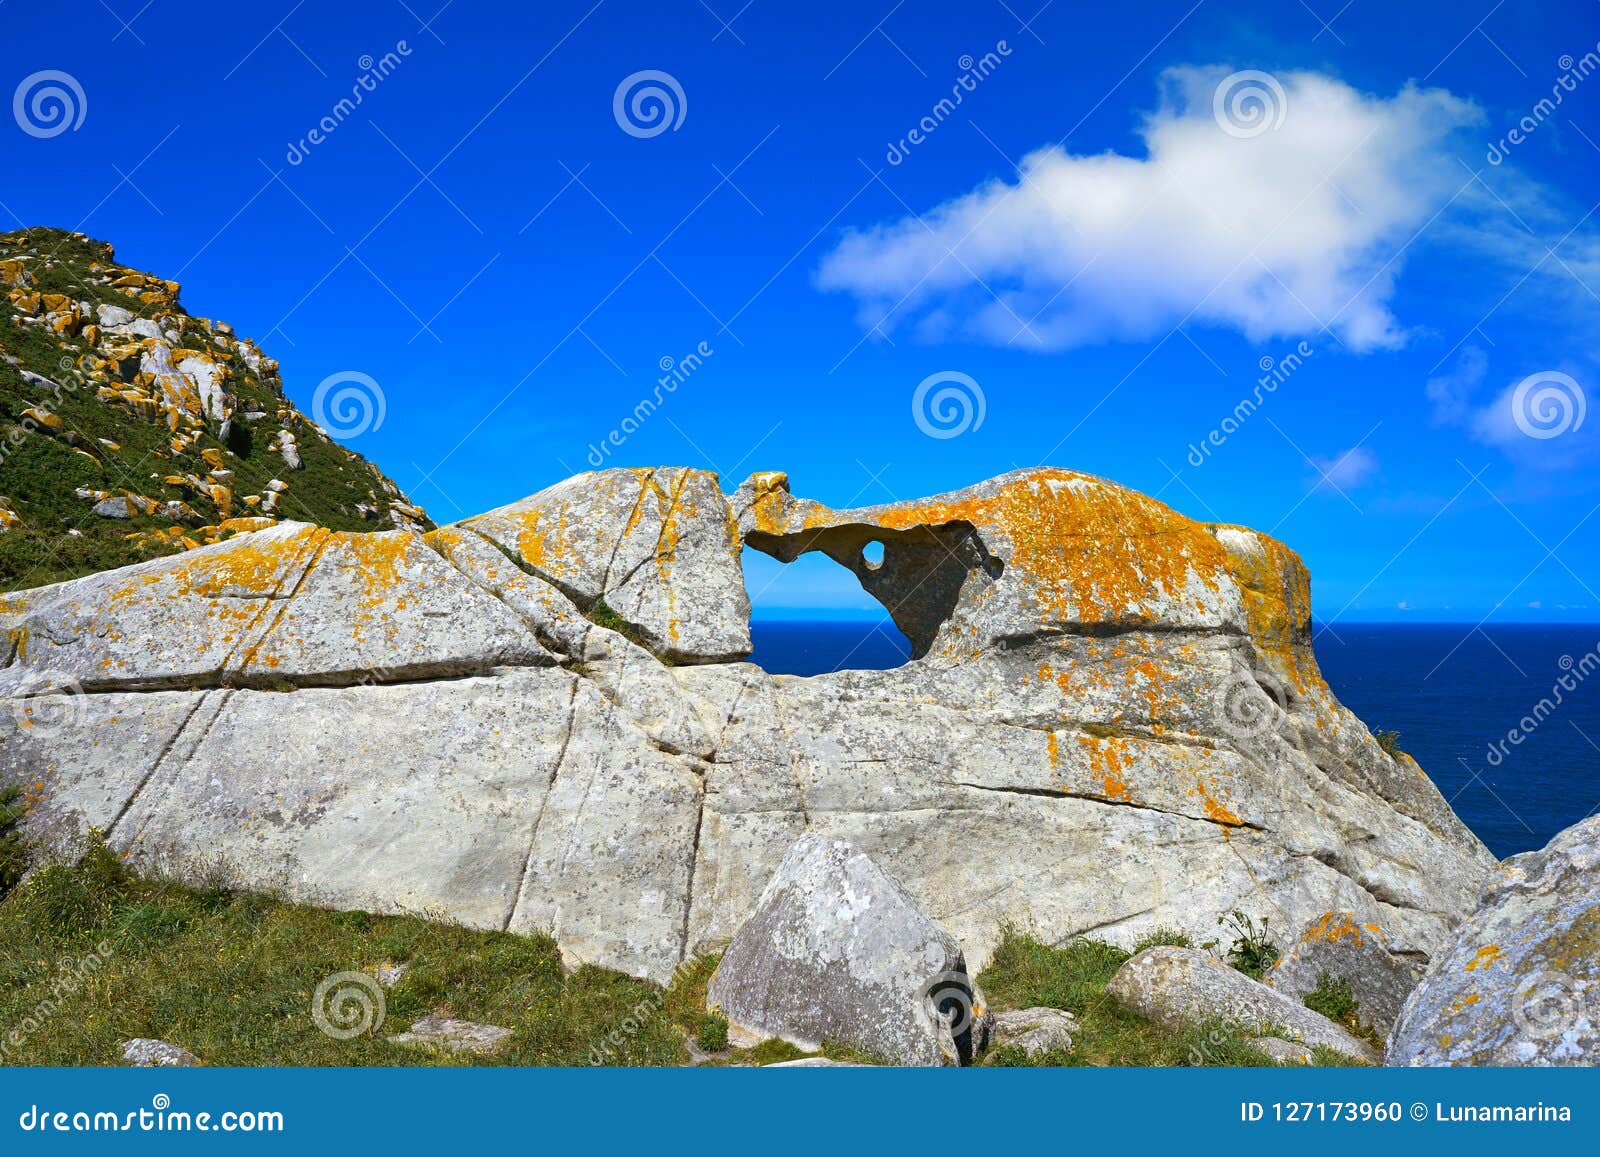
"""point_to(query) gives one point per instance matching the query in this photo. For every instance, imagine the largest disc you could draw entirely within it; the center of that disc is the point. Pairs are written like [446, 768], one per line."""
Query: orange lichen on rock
[1486, 957]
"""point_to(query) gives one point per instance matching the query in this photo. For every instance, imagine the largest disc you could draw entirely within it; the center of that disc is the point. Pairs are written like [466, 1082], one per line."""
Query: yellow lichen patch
[1336, 926]
[1215, 809]
[1108, 761]
[1486, 957]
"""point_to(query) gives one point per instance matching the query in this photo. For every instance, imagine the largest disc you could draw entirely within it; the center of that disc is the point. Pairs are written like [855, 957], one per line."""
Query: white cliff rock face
[1115, 721]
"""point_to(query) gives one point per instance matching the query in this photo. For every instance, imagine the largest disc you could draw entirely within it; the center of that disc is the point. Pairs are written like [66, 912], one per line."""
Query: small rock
[815, 1063]
[1282, 1051]
[1177, 986]
[390, 975]
[460, 1036]
[837, 949]
[1035, 1030]
[157, 1054]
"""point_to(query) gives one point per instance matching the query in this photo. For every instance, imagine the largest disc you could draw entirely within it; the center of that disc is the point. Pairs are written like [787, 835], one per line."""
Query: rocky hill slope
[539, 720]
[130, 429]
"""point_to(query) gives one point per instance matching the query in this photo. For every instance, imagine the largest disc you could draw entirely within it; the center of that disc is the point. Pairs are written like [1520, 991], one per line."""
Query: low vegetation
[1027, 974]
[231, 976]
[1252, 951]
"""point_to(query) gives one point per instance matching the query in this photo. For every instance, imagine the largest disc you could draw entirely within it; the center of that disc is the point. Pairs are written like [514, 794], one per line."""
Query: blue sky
[1102, 247]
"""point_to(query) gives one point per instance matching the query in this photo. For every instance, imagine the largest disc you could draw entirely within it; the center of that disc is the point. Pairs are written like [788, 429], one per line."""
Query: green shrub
[712, 1034]
[1163, 937]
[1390, 742]
[1252, 951]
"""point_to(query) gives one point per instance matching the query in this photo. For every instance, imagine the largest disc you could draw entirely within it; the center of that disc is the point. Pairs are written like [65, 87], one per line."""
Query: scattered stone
[1345, 948]
[1178, 986]
[155, 1054]
[815, 1063]
[838, 950]
[390, 975]
[1035, 1030]
[1283, 1052]
[460, 1036]
[1520, 982]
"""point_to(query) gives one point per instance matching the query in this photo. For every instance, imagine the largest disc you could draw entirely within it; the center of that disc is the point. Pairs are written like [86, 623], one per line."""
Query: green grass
[1390, 742]
[230, 977]
[1024, 973]
[1334, 999]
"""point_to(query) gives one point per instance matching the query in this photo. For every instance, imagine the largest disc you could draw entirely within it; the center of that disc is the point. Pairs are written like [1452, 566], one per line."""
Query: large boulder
[838, 950]
[1343, 948]
[1519, 983]
[534, 720]
[1186, 986]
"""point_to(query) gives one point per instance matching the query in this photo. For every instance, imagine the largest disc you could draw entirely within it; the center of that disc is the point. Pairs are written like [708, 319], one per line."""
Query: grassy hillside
[131, 429]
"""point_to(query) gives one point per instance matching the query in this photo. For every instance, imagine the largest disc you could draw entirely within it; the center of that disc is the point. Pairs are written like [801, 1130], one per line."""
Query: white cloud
[1348, 470]
[1540, 420]
[1276, 234]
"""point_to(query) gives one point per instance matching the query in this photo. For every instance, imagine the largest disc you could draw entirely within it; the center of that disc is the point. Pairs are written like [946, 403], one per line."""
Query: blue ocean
[1456, 695]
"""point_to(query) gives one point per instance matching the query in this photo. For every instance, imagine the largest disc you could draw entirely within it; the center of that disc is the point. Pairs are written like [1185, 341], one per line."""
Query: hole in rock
[811, 616]
[872, 555]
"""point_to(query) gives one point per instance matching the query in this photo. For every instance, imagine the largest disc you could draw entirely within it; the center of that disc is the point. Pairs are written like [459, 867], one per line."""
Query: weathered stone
[294, 604]
[1343, 948]
[1283, 1052]
[155, 1054]
[460, 1036]
[1035, 1030]
[1519, 983]
[1064, 756]
[1179, 986]
[659, 547]
[838, 950]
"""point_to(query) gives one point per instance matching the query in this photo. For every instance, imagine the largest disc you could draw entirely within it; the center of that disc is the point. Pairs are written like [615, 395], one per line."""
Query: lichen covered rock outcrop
[1518, 983]
[144, 429]
[537, 719]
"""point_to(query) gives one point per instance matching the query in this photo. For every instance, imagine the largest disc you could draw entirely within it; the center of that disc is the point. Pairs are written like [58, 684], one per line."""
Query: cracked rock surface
[539, 719]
